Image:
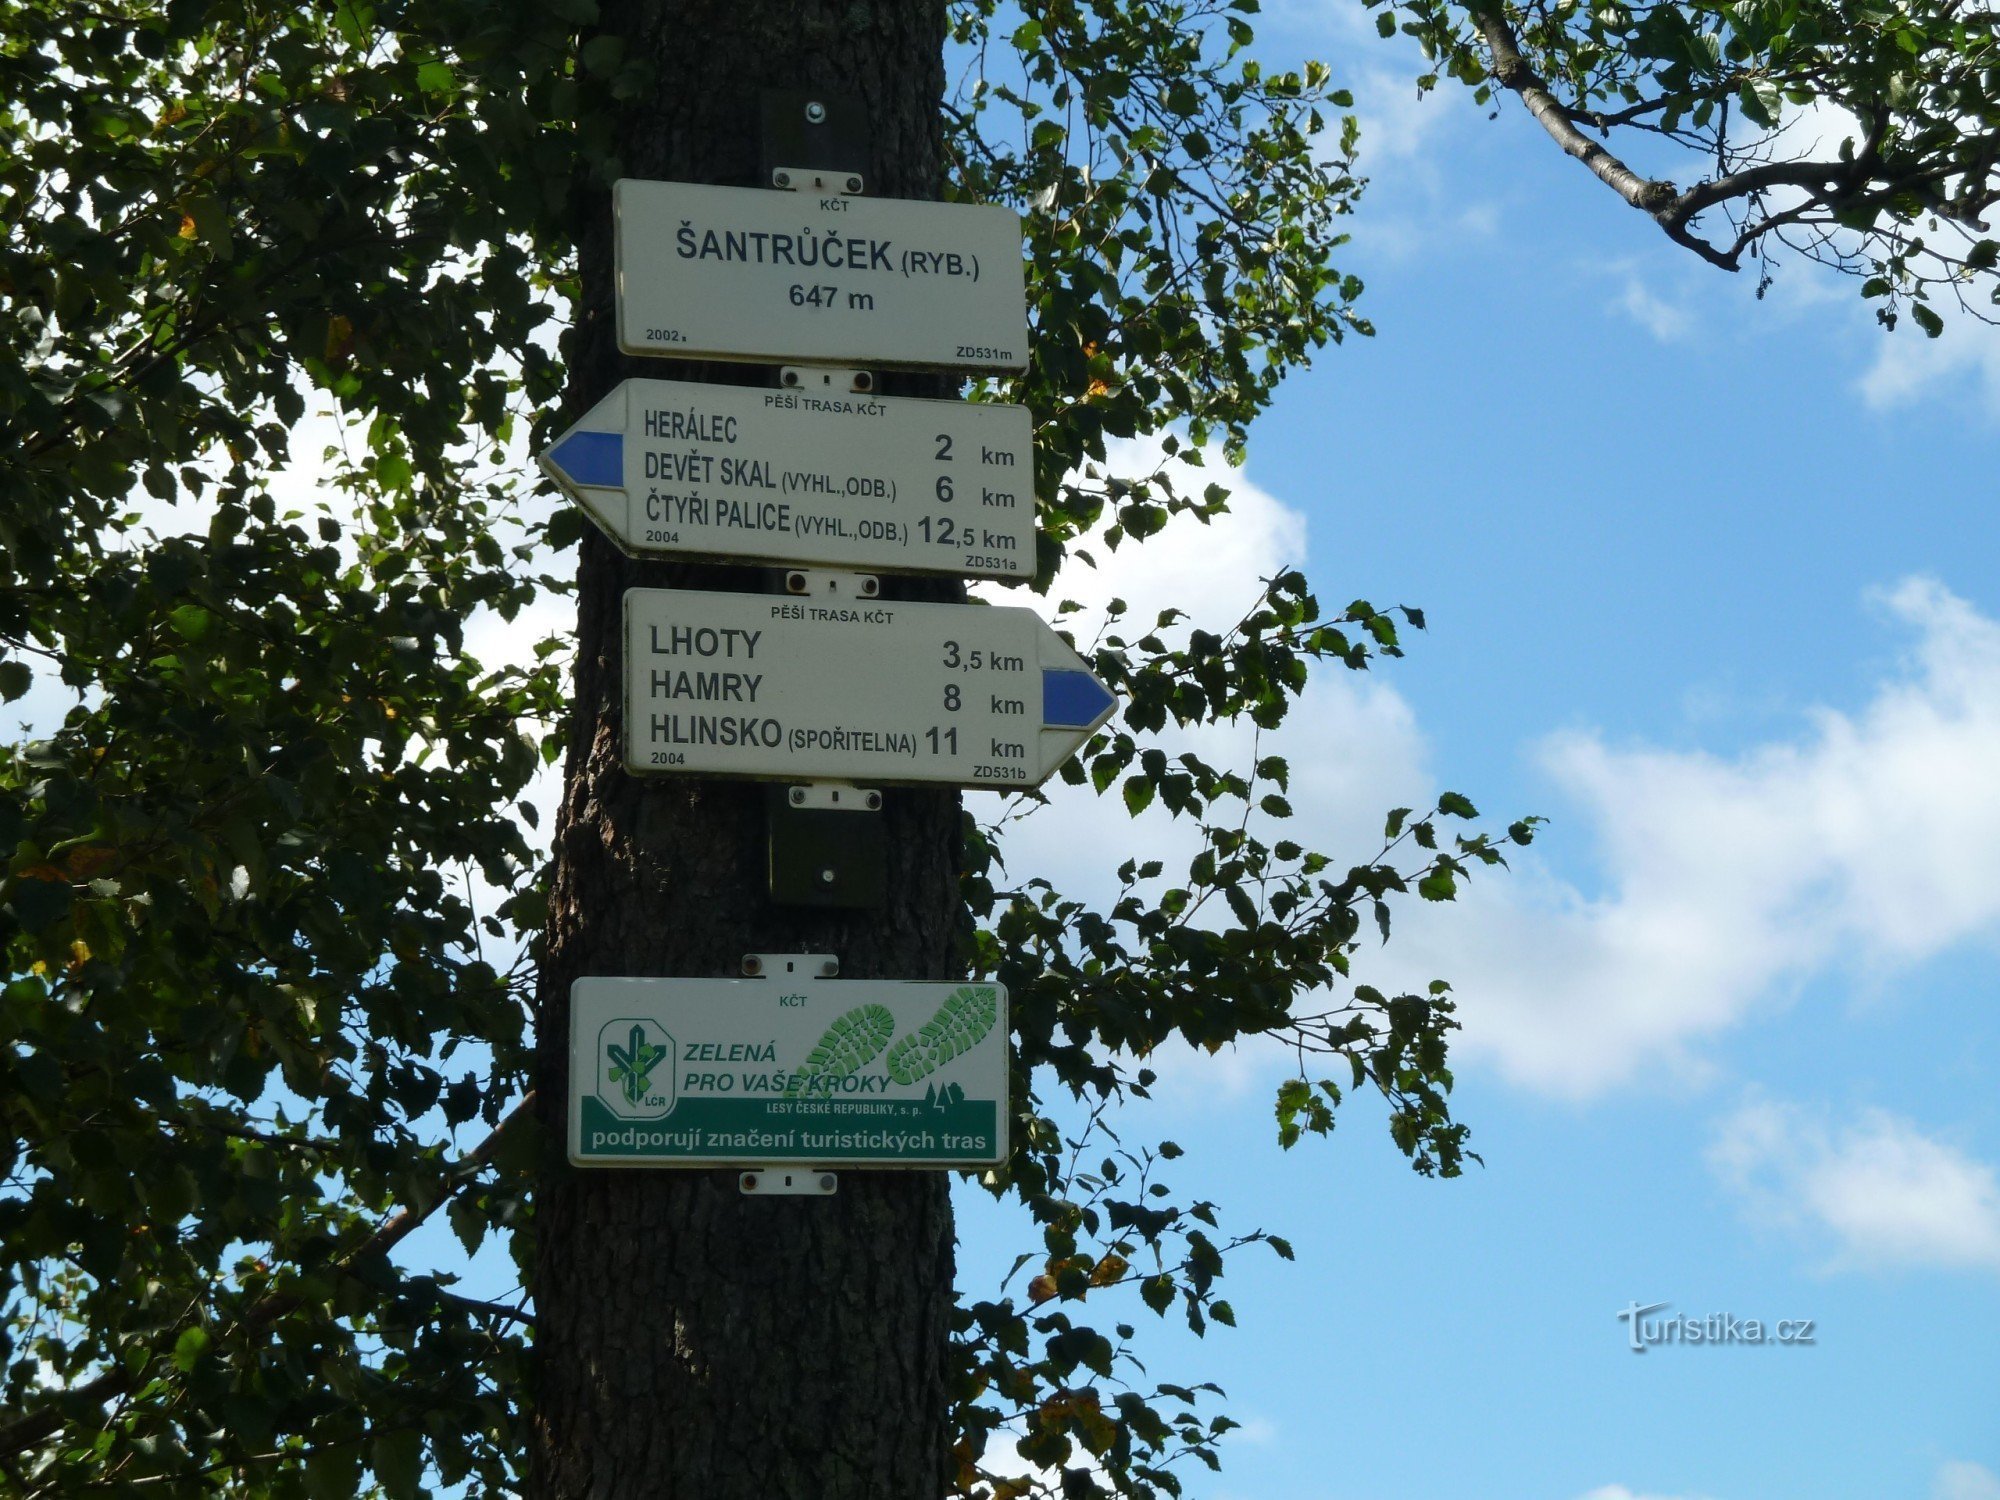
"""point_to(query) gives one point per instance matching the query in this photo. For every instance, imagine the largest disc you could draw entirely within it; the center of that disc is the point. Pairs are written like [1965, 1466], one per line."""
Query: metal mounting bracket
[835, 796]
[828, 846]
[794, 1182]
[825, 378]
[821, 853]
[829, 583]
[806, 180]
[812, 141]
[790, 966]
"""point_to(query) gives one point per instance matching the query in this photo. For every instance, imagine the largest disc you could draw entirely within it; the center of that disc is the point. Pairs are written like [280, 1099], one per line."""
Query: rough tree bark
[691, 1340]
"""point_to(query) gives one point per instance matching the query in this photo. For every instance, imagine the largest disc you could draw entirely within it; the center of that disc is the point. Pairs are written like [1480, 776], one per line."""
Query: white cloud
[1399, 124]
[1256, 1430]
[1883, 1191]
[1324, 28]
[1869, 838]
[1002, 1459]
[1909, 368]
[1963, 1480]
[1620, 1492]
[1418, 198]
[1660, 318]
[1867, 841]
[1211, 571]
[1352, 740]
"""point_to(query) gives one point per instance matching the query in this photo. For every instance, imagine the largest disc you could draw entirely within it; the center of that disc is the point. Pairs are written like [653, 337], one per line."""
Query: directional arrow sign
[748, 273]
[805, 477]
[774, 687]
[755, 1072]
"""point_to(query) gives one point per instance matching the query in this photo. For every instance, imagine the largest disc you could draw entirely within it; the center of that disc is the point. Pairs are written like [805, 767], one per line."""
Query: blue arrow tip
[592, 459]
[1073, 700]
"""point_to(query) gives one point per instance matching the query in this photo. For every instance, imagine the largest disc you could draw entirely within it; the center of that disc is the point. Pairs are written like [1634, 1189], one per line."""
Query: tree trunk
[692, 1341]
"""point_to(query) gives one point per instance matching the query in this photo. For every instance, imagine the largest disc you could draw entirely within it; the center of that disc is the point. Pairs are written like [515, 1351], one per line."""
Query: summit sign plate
[757, 1072]
[751, 274]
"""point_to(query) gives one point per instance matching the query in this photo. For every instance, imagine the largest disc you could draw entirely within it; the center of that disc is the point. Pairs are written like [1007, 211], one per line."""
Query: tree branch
[1831, 187]
[1598, 120]
[1660, 201]
[1801, 174]
[1516, 73]
[27, 1430]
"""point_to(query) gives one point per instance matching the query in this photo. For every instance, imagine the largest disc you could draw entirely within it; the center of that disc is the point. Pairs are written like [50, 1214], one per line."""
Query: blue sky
[1710, 584]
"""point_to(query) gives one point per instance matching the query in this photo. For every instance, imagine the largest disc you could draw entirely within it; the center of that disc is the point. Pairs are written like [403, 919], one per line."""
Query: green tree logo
[635, 1068]
[632, 1064]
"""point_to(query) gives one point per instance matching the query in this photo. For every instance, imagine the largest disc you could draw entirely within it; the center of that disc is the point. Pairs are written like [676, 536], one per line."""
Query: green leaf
[333, 1472]
[602, 54]
[1439, 885]
[190, 621]
[189, 1348]
[1760, 101]
[397, 1457]
[15, 679]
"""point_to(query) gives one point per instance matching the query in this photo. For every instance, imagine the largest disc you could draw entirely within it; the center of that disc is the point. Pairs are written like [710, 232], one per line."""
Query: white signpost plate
[753, 274]
[774, 687]
[758, 1072]
[787, 476]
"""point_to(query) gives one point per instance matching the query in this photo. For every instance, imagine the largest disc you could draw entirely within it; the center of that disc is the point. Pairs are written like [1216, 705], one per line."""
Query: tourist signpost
[882, 691]
[806, 476]
[758, 1072]
[827, 682]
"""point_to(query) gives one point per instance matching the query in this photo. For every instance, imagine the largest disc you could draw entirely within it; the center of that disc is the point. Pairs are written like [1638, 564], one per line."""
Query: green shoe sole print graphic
[856, 1039]
[964, 1018]
[852, 1042]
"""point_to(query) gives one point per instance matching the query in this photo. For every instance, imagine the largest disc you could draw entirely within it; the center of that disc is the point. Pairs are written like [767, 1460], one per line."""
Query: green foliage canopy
[1860, 134]
[242, 979]
[250, 1039]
